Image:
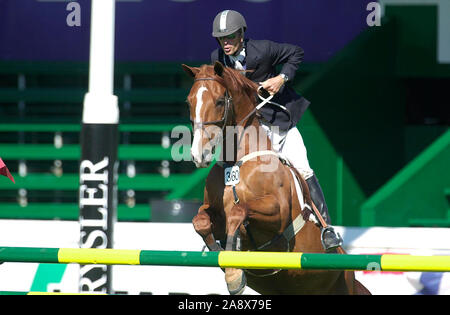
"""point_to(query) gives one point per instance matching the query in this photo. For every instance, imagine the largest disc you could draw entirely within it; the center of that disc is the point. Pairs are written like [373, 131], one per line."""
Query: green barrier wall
[356, 130]
[353, 129]
[418, 195]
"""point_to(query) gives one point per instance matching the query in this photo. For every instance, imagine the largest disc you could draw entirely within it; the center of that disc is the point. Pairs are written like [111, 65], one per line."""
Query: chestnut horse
[262, 207]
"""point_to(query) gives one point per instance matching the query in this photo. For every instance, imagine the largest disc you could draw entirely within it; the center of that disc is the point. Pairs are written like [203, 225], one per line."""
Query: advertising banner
[174, 30]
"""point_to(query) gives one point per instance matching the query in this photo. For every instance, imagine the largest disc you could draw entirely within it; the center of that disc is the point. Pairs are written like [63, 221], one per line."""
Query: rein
[228, 101]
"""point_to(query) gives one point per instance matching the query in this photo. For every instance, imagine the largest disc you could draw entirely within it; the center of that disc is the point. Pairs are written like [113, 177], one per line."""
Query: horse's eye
[220, 102]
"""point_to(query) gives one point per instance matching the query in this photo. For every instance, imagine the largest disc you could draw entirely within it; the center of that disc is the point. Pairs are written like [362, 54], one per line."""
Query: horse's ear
[191, 71]
[218, 68]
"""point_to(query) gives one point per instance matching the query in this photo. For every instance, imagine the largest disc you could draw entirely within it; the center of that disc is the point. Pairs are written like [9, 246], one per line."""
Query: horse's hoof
[237, 285]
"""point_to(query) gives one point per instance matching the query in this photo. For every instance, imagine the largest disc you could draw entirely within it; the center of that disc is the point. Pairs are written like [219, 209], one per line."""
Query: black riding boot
[330, 239]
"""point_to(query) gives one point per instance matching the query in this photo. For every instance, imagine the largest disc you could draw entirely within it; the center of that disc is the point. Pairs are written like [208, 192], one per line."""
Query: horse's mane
[233, 80]
[240, 82]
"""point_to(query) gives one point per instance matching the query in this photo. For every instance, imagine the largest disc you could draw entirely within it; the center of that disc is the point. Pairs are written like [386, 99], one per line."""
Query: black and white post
[99, 147]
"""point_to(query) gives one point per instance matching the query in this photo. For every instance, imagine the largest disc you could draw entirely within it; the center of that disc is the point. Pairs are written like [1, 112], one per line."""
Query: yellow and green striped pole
[225, 259]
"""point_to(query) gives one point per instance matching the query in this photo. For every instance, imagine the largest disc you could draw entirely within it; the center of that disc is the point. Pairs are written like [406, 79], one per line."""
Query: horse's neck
[254, 139]
[247, 138]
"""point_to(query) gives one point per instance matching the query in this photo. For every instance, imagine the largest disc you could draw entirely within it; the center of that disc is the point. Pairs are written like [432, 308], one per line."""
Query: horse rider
[261, 57]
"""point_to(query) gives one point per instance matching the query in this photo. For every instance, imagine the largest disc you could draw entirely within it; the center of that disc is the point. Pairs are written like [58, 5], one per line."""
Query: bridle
[229, 107]
[223, 121]
[228, 102]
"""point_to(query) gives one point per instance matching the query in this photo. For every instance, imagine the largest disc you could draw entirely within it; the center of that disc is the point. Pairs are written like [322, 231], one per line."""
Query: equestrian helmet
[227, 22]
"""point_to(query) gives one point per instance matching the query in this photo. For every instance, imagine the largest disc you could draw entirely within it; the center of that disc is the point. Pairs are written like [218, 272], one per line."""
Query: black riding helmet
[227, 22]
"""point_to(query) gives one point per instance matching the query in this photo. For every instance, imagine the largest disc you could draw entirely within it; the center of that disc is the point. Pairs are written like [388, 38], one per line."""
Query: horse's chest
[228, 197]
[222, 192]
[238, 194]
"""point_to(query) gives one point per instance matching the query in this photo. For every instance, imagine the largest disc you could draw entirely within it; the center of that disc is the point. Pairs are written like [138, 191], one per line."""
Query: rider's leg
[330, 239]
[292, 147]
[318, 198]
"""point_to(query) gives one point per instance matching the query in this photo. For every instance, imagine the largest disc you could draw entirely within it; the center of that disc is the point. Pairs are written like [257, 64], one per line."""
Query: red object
[4, 171]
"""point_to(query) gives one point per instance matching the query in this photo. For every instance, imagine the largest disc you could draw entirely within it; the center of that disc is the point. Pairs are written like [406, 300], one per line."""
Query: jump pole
[99, 146]
[227, 259]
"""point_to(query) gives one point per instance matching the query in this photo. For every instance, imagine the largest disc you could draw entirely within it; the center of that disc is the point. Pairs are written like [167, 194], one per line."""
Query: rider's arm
[290, 56]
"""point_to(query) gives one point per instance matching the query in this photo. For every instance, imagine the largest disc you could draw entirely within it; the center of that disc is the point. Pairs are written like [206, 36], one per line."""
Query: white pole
[99, 148]
[100, 105]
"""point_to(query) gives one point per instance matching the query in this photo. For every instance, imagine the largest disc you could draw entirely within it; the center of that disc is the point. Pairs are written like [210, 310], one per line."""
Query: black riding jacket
[262, 56]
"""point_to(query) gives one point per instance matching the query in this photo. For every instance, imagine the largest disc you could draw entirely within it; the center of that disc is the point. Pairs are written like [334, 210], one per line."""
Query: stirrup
[333, 243]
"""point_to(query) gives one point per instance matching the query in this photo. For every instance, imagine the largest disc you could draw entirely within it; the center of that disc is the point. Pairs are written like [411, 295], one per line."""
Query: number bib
[232, 175]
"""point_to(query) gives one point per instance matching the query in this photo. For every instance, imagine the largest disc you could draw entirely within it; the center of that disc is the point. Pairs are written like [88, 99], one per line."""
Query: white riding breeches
[289, 144]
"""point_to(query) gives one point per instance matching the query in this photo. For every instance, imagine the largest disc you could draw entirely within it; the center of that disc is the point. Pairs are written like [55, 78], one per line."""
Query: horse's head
[210, 104]
[219, 97]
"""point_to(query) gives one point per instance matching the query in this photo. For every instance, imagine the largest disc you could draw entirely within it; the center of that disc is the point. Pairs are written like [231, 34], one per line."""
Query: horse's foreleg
[235, 218]
[202, 225]
[235, 278]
